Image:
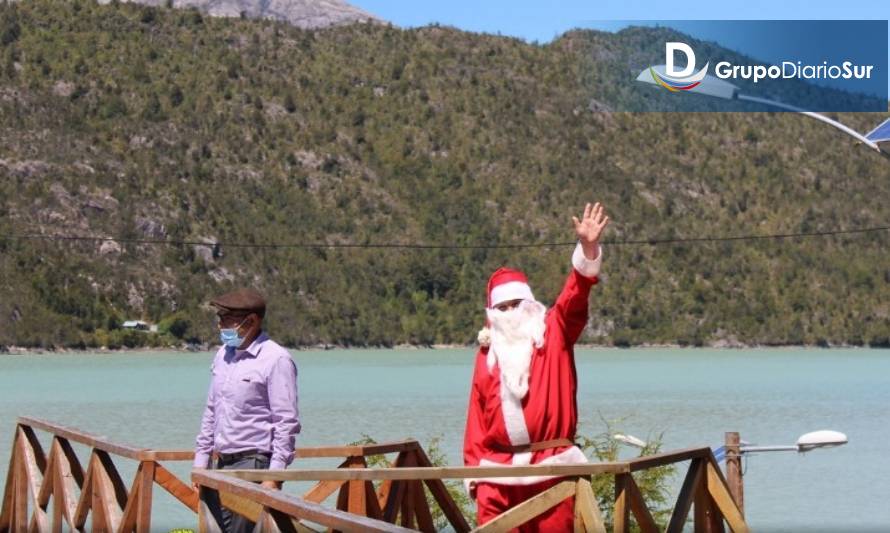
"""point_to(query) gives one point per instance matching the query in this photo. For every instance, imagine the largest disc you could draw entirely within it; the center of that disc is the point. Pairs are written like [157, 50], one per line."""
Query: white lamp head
[820, 439]
[629, 440]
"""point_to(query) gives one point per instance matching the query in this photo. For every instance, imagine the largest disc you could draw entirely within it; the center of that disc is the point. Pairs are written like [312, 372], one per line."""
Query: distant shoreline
[720, 345]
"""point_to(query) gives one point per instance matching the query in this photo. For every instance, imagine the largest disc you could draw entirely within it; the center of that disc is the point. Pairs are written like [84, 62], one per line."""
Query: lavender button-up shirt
[251, 404]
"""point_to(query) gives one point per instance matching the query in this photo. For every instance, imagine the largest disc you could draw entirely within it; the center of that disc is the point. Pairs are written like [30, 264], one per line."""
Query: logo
[679, 80]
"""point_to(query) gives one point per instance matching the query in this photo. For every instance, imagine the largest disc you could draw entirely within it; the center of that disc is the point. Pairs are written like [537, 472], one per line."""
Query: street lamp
[734, 449]
[713, 86]
[807, 442]
[630, 440]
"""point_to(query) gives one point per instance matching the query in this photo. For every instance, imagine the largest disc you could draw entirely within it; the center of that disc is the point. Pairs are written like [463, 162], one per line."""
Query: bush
[654, 483]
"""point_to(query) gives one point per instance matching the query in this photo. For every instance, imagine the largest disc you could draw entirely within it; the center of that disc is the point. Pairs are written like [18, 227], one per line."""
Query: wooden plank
[144, 498]
[406, 511]
[85, 502]
[241, 505]
[30, 457]
[111, 475]
[60, 505]
[723, 499]
[440, 493]
[530, 508]
[357, 498]
[168, 455]
[621, 511]
[9, 488]
[34, 444]
[39, 522]
[74, 467]
[578, 522]
[701, 509]
[707, 518]
[392, 492]
[445, 472]
[68, 474]
[99, 518]
[590, 509]
[666, 458]
[35, 466]
[108, 485]
[322, 490]
[386, 485]
[394, 500]
[179, 490]
[372, 505]
[687, 492]
[49, 477]
[638, 507]
[128, 519]
[356, 450]
[294, 507]
[20, 491]
[94, 441]
[422, 508]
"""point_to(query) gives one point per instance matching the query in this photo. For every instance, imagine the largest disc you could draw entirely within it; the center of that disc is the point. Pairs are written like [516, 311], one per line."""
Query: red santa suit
[498, 422]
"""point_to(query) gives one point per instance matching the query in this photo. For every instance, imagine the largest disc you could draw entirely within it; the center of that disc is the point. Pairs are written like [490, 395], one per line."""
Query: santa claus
[523, 408]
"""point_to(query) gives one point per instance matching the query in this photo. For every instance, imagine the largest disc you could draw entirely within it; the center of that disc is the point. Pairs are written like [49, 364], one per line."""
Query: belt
[231, 457]
[535, 446]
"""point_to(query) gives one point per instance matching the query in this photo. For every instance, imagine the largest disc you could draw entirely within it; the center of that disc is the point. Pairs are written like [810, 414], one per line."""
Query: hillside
[306, 14]
[151, 123]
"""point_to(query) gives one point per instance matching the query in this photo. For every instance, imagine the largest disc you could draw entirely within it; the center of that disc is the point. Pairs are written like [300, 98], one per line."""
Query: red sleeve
[475, 430]
[570, 309]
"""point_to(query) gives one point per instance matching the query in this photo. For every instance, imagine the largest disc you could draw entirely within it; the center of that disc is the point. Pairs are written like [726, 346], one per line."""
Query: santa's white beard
[514, 336]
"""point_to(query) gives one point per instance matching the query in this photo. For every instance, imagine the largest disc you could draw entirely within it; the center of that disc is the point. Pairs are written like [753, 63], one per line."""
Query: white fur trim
[484, 337]
[514, 418]
[512, 290]
[584, 266]
[467, 483]
[570, 456]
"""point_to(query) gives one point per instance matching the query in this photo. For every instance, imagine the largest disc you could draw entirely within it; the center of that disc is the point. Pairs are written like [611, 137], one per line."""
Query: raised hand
[590, 228]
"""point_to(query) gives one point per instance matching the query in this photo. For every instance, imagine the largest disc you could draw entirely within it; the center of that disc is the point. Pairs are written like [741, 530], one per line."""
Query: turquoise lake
[693, 396]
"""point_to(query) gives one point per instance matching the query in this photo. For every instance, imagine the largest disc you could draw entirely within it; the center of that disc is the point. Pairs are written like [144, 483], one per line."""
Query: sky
[543, 21]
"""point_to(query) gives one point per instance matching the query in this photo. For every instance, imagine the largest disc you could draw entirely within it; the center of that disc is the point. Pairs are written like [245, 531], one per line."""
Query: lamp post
[735, 449]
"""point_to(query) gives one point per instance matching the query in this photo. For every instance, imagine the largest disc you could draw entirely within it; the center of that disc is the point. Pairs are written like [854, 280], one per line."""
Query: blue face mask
[229, 336]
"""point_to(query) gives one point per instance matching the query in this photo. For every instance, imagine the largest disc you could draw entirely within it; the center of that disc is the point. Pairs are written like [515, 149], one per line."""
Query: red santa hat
[507, 284]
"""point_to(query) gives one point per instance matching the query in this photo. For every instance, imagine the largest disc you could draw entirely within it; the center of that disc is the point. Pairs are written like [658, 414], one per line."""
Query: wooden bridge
[48, 489]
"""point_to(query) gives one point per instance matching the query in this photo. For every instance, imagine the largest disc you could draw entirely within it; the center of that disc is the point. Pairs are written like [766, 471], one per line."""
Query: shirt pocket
[249, 390]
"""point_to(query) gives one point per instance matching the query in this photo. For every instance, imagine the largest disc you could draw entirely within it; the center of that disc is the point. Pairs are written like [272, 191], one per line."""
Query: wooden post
[734, 469]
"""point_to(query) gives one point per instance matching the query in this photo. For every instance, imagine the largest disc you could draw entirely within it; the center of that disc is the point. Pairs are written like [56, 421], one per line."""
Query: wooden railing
[35, 479]
[400, 501]
[703, 489]
[44, 492]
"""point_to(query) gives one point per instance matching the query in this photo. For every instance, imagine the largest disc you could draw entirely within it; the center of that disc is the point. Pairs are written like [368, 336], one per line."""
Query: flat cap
[241, 301]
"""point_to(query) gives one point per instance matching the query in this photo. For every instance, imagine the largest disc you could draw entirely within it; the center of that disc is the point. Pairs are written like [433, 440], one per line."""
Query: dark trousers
[233, 522]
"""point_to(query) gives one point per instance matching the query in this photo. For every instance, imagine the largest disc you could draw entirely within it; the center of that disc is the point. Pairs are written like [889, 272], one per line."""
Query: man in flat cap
[251, 417]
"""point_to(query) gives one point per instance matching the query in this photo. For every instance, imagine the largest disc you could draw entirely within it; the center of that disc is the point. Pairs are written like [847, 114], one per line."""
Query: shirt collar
[255, 347]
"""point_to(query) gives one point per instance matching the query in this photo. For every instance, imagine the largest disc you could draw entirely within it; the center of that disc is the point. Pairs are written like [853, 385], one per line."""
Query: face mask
[229, 336]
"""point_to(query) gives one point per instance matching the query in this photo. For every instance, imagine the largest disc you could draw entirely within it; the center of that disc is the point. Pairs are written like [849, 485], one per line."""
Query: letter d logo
[669, 49]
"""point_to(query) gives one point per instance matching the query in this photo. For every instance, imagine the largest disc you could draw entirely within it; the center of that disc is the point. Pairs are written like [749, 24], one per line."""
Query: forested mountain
[154, 124]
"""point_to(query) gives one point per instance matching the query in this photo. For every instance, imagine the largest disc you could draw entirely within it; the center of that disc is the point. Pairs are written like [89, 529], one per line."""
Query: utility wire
[417, 246]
